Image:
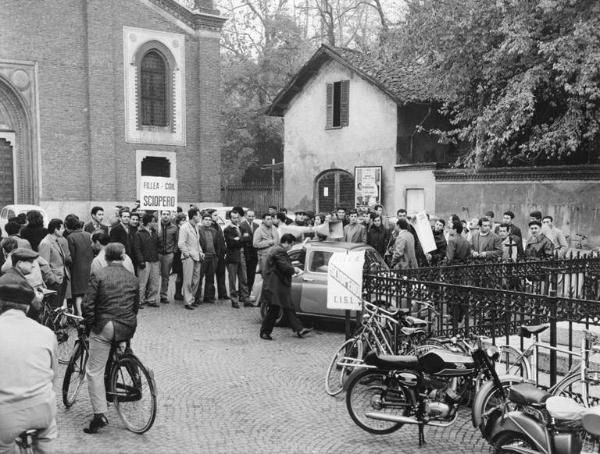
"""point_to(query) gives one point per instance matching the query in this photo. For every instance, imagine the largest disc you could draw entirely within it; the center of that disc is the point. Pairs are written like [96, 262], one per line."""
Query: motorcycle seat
[392, 362]
[591, 421]
[527, 331]
[564, 409]
[527, 394]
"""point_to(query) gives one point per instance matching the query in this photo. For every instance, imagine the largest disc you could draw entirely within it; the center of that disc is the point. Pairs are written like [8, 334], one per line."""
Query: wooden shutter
[329, 110]
[344, 102]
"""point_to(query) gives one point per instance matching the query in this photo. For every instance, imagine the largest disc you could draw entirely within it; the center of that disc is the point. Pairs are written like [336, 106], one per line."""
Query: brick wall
[79, 49]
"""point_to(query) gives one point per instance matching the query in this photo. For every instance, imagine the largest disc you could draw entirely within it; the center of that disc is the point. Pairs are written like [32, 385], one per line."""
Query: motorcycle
[543, 424]
[389, 391]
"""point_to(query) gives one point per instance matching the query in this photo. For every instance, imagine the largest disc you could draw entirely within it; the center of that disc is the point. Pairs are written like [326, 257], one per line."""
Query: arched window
[154, 93]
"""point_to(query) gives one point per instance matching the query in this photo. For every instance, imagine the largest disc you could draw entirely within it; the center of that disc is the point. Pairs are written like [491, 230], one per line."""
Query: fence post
[553, 316]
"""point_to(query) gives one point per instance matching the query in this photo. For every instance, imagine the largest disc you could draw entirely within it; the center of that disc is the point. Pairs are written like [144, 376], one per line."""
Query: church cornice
[200, 19]
[540, 173]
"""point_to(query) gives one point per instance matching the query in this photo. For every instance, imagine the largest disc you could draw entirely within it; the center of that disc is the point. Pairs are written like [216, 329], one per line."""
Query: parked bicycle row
[396, 373]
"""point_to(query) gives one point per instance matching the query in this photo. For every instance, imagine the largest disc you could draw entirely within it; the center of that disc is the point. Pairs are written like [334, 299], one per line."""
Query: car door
[314, 283]
[297, 257]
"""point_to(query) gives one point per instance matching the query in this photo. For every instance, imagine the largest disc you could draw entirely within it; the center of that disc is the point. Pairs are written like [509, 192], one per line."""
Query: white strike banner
[344, 280]
[424, 232]
[158, 193]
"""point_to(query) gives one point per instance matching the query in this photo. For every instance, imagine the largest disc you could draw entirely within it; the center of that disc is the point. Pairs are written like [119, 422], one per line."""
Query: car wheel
[279, 321]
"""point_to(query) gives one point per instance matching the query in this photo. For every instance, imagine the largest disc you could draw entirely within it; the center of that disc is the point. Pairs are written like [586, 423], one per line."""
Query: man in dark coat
[120, 232]
[236, 261]
[220, 270]
[80, 248]
[146, 259]
[440, 243]
[277, 288]
[458, 249]
[22, 265]
[96, 221]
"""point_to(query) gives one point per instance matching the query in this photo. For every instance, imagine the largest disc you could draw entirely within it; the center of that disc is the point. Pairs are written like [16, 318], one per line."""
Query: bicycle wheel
[74, 375]
[585, 393]
[66, 338]
[489, 397]
[341, 365]
[373, 393]
[133, 392]
[512, 362]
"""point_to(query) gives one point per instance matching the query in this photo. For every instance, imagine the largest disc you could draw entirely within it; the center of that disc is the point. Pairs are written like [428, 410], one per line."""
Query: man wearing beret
[28, 358]
[22, 265]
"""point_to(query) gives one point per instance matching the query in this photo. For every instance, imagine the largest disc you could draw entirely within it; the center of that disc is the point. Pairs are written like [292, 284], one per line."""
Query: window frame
[339, 107]
[165, 95]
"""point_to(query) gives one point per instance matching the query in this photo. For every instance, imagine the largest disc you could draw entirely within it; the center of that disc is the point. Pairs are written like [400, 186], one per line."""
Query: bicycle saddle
[416, 322]
[392, 362]
[565, 409]
[527, 331]
[527, 394]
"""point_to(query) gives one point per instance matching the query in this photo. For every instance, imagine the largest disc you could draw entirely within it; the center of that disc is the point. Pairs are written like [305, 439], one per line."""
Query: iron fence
[575, 276]
[498, 313]
[255, 196]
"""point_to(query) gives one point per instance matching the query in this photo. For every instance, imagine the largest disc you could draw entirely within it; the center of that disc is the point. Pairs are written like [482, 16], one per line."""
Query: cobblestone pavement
[221, 389]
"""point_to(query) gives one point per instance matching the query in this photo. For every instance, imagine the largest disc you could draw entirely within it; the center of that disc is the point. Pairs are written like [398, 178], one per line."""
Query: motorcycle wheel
[487, 398]
[372, 390]
[513, 440]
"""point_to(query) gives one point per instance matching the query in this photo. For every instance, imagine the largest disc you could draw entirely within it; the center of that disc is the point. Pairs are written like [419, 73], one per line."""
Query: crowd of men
[108, 273]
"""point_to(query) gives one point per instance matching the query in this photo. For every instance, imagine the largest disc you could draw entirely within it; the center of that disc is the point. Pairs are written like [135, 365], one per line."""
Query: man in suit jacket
[485, 244]
[404, 248]
[277, 288]
[191, 257]
[120, 232]
[250, 251]
[354, 232]
[210, 244]
[95, 223]
[235, 260]
[58, 259]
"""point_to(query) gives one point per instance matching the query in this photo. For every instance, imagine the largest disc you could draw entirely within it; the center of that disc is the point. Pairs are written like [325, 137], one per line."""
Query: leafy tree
[520, 78]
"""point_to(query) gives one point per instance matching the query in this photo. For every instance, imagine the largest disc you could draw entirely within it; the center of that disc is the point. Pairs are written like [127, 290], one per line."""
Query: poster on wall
[367, 186]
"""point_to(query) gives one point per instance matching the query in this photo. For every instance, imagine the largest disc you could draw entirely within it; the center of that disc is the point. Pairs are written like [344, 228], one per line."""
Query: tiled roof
[402, 84]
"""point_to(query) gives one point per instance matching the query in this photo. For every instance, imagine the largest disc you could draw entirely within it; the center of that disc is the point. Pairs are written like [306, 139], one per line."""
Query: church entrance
[7, 181]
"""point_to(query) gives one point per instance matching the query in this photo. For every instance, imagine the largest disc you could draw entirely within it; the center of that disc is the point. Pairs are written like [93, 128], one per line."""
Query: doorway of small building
[334, 188]
[7, 175]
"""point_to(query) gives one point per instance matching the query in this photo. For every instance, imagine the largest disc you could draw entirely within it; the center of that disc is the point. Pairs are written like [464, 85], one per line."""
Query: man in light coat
[404, 248]
[485, 244]
[191, 257]
[265, 237]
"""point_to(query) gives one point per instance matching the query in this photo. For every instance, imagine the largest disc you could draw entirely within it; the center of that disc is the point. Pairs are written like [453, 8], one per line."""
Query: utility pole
[273, 166]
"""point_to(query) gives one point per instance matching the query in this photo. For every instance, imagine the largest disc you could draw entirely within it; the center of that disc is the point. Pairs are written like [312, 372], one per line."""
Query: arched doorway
[18, 168]
[334, 188]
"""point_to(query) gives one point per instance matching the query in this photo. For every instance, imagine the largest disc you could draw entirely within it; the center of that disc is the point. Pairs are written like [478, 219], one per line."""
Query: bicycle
[130, 386]
[61, 324]
[382, 331]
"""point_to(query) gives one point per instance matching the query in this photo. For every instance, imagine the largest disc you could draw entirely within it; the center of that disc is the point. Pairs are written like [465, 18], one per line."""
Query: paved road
[224, 390]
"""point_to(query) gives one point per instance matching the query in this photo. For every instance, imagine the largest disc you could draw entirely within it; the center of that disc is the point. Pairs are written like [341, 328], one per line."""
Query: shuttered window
[338, 104]
[154, 90]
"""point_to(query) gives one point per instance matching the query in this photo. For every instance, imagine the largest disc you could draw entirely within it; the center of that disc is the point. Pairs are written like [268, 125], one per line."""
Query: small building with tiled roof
[351, 126]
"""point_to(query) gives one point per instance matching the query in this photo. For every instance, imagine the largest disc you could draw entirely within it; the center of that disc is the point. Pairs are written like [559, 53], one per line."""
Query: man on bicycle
[28, 360]
[110, 312]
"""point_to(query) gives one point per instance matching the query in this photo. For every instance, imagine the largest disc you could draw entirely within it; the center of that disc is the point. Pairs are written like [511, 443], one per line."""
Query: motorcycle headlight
[493, 353]
[366, 317]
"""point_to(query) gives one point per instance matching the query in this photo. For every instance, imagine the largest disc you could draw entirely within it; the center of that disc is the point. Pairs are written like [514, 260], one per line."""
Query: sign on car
[344, 280]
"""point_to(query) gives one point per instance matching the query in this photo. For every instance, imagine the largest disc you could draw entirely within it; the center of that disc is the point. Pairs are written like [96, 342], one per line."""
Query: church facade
[95, 94]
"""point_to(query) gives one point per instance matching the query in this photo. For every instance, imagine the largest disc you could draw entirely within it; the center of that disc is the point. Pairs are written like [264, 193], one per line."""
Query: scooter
[543, 424]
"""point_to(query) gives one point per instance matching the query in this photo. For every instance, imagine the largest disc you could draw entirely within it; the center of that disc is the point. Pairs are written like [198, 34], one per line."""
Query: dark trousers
[220, 272]
[251, 262]
[288, 314]
[207, 274]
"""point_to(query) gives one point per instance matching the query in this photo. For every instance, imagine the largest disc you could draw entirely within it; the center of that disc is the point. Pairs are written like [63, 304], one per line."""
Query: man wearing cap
[110, 311]
[28, 357]
[22, 265]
